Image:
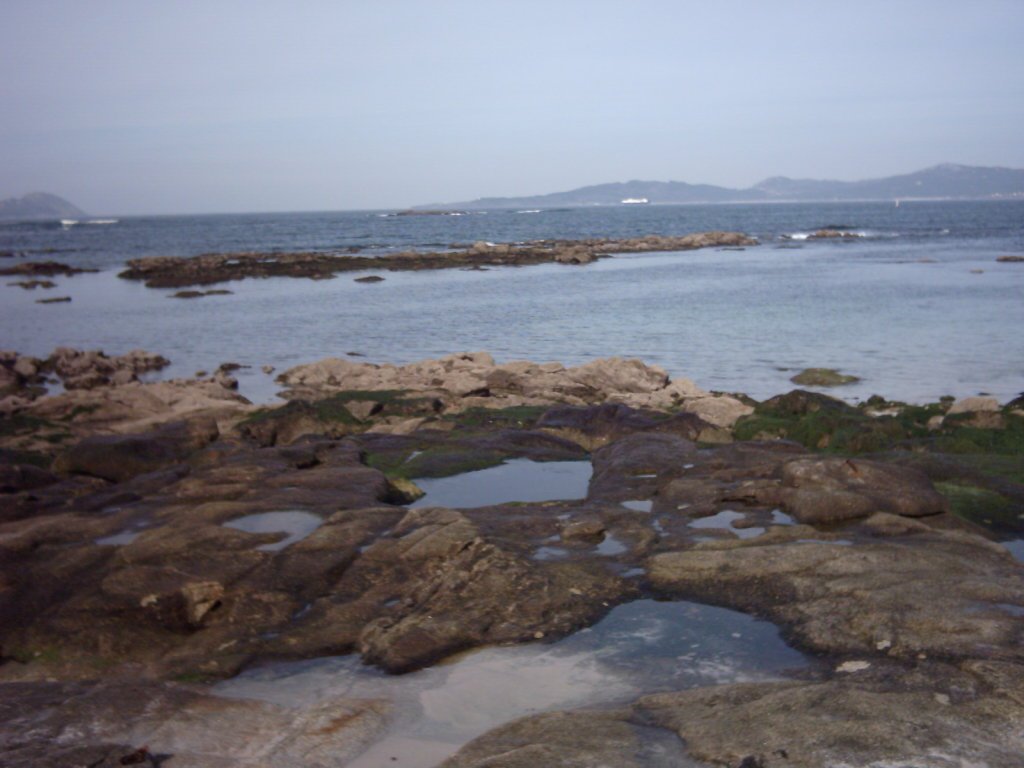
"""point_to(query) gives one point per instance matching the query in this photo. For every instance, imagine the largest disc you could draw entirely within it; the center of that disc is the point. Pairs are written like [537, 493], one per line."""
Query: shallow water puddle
[125, 536]
[550, 553]
[638, 505]
[837, 542]
[297, 524]
[641, 647]
[515, 480]
[781, 518]
[119, 539]
[724, 520]
[1016, 547]
[611, 546]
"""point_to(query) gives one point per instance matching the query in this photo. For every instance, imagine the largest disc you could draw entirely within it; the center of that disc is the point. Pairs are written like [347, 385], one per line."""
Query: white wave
[796, 236]
[102, 221]
[534, 210]
[68, 222]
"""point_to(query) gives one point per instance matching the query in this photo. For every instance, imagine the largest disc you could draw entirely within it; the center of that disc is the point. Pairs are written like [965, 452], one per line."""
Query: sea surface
[917, 305]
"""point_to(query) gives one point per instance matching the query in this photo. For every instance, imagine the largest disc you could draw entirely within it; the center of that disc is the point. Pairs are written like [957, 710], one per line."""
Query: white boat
[635, 201]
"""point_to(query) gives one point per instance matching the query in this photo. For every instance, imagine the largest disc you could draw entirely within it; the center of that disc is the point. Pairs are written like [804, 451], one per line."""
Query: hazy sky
[160, 107]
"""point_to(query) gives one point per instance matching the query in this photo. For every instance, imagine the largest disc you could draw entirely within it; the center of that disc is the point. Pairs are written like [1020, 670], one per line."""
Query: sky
[142, 107]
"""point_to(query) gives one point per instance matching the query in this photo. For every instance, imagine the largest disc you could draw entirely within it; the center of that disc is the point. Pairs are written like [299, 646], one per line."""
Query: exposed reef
[45, 268]
[874, 536]
[177, 272]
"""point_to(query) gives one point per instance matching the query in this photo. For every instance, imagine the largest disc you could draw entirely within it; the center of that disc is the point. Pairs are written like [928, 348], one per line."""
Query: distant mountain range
[38, 205]
[946, 181]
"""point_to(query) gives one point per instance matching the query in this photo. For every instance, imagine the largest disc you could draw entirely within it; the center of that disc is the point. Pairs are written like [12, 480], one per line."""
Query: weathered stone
[636, 455]
[566, 739]
[120, 457]
[104, 724]
[800, 402]
[24, 477]
[822, 377]
[720, 411]
[821, 490]
[846, 722]
[584, 530]
[974, 405]
[934, 593]
[470, 593]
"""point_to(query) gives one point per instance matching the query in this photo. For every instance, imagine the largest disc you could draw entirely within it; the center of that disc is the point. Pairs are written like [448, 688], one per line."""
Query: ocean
[917, 305]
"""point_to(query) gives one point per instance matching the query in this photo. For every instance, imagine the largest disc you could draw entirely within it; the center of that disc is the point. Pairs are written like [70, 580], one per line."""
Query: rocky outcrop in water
[822, 377]
[45, 268]
[473, 380]
[178, 272]
[23, 377]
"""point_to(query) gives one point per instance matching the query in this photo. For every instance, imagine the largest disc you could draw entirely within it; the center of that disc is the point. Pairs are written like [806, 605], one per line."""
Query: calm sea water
[918, 307]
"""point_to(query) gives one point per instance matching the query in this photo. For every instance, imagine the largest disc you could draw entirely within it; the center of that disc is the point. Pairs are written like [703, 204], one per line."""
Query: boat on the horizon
[635, 201]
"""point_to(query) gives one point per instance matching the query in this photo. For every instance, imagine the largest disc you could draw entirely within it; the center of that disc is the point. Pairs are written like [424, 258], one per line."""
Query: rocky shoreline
[183, 271]
[869, 534]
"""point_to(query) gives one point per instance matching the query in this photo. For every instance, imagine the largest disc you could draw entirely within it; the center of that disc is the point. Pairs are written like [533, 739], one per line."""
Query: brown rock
[921, 592]
[821, 490]
[120, 457]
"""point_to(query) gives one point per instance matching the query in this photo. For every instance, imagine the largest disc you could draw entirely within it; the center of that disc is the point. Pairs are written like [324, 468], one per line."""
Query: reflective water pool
[638, 648]
[296, 524]
[515, 480]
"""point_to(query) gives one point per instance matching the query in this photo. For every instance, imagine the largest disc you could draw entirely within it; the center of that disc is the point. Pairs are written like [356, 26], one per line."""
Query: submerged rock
[823, 377]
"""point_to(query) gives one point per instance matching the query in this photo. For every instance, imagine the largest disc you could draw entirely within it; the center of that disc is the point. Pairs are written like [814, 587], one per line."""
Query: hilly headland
[947, 181]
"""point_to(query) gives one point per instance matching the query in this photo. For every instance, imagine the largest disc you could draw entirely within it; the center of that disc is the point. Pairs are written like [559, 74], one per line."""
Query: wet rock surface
[108, 725]
[44, 268]
[931, 714]
[131, 558]
[177, 272]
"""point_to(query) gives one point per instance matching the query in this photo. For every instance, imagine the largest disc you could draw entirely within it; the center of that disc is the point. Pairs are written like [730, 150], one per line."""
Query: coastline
[911, 329]
[166, 544]
[134, 575]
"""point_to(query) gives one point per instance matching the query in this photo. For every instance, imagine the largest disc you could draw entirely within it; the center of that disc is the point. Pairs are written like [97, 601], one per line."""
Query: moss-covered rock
[983, 506]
